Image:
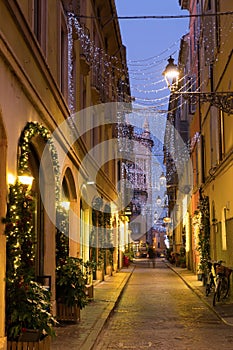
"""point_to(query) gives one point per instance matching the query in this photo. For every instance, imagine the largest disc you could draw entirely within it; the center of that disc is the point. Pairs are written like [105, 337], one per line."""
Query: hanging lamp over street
[220, 99]
[171, 74]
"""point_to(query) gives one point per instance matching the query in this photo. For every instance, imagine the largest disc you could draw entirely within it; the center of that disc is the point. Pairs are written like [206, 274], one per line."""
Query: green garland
[19, 219]
[32, 129]
[20, 234]
[62, 236]
[20, 247]
[204, 233]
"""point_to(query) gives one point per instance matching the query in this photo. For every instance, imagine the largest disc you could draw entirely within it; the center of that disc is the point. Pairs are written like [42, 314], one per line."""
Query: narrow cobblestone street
[158, 311]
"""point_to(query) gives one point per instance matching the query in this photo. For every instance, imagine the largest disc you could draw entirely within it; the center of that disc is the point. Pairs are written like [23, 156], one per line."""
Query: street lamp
[222, 100]
[158, 201]
[156, 215]
[10, 179]
[26, 180]
[162, 179]
[171, 74]
[128, 211]
[90, 182]
[167, 220]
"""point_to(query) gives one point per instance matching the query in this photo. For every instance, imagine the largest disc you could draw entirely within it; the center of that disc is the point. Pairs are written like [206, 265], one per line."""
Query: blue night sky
[149, 37]
[149, 43]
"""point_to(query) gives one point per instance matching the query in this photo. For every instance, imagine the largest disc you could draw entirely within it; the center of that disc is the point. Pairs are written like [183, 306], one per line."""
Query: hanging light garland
[19, 222]
[19, 230]
[98, 57]
[225, 28]
[143, 70]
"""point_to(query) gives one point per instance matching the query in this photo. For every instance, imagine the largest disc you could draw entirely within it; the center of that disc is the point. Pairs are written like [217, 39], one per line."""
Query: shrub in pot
[28, 308]
[70, 283]
[89, 268]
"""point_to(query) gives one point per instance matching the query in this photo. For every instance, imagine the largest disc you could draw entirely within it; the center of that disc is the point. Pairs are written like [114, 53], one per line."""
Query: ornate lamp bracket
[221, 100]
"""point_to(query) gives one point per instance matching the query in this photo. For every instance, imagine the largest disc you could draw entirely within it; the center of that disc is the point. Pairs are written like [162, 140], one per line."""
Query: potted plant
[28, 314]
[89, 268]
[70, 289]
[182, 257]
[182, 261]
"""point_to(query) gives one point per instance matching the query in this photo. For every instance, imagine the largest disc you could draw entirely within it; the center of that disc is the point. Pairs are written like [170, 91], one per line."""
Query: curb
[90, 341]
[200, 295]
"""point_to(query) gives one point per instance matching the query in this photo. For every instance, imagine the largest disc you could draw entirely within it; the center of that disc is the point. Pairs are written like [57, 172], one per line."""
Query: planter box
[43, 344]
[28, 335]
[89, 291]
[68, 313]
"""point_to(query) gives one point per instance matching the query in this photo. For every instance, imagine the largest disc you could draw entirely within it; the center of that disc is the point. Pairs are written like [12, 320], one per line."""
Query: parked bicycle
[210, 278]
[222, 285]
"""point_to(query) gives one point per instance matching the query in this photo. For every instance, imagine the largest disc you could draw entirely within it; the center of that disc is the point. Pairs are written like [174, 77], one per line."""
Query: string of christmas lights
[152, 58]
[147, 72]
[225, 28]
[143, 73]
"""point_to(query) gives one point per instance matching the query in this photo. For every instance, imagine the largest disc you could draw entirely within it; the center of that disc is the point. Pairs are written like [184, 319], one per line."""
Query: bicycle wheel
[217, 292]
[214, 298]
[222, 289]
[225, 288]
[207, 290]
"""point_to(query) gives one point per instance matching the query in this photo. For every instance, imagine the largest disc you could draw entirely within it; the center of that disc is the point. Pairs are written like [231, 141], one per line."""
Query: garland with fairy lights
[140, 71]
[20, 233]
[20, 212]
[202, 220]
[62, 235]
[21, 286]
[32, 129]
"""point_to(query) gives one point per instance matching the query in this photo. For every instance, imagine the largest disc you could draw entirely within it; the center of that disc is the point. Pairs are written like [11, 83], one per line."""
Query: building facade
[57, 59]
[207, 65]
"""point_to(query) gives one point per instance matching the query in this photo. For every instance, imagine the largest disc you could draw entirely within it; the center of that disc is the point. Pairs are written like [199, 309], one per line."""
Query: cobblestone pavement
[157, 311]
[224, 310]
[93, 316]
